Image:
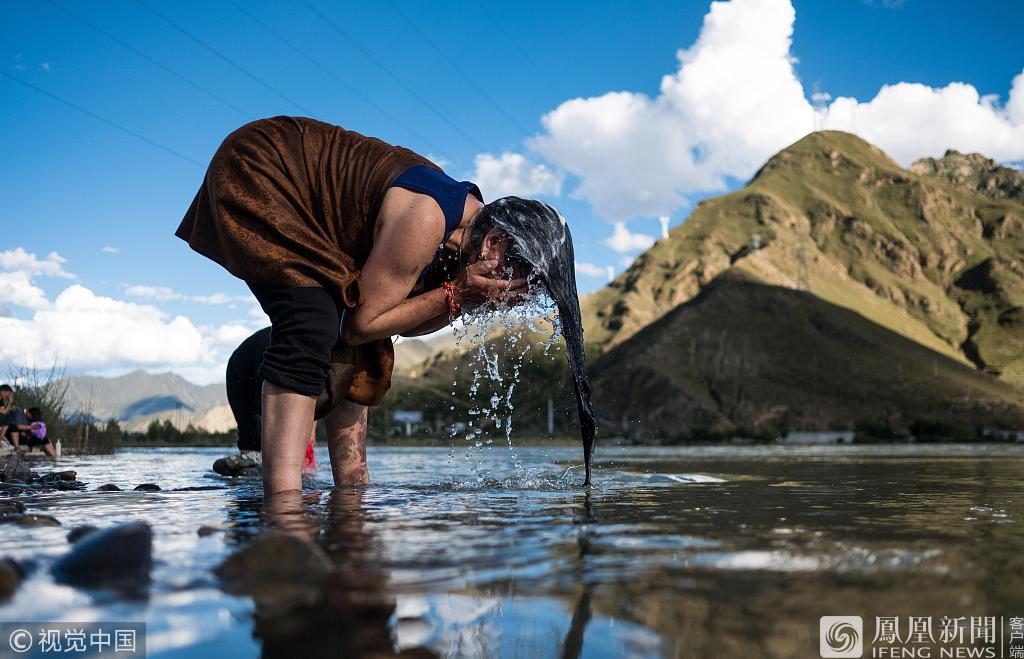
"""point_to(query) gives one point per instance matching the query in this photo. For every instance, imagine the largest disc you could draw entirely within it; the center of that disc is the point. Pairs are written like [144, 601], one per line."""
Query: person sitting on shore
[10, 416]
[34, 431]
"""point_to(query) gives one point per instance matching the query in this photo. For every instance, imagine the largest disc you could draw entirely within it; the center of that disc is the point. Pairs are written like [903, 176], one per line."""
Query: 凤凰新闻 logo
[841, 636]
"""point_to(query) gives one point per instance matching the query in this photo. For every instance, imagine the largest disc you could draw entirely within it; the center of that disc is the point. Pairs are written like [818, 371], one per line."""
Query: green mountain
[935, 261]
[834, 288]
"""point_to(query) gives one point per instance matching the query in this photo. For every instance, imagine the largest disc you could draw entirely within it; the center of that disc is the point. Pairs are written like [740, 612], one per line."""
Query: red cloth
[310, 461]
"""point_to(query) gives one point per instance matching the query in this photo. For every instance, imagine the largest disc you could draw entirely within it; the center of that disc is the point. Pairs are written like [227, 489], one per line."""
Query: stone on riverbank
[17, 469]
[117, 556]
[147, 487]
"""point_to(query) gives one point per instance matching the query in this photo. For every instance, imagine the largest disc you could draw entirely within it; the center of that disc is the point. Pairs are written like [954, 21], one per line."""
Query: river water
[697, 552]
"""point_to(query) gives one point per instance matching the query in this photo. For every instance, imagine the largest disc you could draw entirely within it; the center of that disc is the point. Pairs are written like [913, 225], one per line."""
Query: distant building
[819, 437]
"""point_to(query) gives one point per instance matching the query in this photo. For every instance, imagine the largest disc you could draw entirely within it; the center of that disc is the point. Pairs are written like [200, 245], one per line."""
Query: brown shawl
[289, 202]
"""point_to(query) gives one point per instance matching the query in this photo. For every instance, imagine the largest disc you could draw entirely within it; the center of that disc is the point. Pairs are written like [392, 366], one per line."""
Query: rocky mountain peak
[974, 172]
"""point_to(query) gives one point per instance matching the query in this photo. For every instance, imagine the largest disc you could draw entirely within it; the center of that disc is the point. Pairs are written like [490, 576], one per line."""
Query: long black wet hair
[539, 237]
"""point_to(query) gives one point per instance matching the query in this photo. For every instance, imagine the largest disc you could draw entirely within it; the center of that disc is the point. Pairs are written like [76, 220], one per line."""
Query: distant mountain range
[138, 398]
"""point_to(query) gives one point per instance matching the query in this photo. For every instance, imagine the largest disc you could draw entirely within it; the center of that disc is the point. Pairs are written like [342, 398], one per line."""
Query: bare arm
[411, 229]
[432, 325]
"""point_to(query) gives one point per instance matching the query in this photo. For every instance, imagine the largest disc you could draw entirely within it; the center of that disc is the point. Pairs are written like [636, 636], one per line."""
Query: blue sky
[73, 185]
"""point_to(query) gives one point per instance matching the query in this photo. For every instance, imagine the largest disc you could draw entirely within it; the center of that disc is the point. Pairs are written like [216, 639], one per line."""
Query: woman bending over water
[345, 241]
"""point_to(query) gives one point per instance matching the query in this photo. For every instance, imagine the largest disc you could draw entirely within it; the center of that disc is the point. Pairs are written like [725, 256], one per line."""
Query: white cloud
[589, 269]
[94, 333]
[20, 260]
[440, 161]
[85, 330]
[109, 249]
[232, 334]
[166, 294]
[155, 293]
[735, 100]
[514, 174]
[910, 120]
[623, 240]
[17, 288]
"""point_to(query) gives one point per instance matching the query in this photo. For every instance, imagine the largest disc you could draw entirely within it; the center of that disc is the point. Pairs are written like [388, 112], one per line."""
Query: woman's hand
[481, 282]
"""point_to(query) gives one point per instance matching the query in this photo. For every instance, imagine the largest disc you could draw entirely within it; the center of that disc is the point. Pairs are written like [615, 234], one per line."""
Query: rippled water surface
[704, 552]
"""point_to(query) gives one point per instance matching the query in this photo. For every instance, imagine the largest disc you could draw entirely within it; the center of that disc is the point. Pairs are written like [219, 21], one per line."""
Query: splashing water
[539, 237]
[488, 333]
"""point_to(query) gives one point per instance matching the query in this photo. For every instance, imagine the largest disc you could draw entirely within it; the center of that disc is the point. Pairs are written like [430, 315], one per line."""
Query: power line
[309, 58]
[227, 59]
[108, 122]
[515, 44]
[459, 69]
[368, 55]
[152, 61]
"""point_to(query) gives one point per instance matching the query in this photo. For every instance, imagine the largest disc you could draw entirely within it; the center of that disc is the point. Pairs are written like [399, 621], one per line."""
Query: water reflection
[714, 551]
[317, 587]
[573, 644]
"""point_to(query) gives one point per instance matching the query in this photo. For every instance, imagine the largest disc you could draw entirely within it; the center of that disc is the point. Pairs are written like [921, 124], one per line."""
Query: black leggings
[294, 353]
[305, 325]
[245, 389]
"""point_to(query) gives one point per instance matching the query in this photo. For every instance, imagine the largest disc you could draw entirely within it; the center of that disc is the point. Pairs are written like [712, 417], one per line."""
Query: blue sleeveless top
[449, 194]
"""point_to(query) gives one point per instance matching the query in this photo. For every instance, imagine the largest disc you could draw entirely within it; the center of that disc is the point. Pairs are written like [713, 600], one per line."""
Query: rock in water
[17, 470]
[147, 487]
[38, 520]
[11, 576]
[274, 564]
[79, 532]
[248, 464]
[109, 487]
[11, 511]
[9, 506]
[117, 556]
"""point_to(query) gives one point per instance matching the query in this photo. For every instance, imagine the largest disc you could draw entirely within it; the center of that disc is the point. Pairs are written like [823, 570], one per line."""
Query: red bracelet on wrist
[449, 296]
